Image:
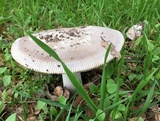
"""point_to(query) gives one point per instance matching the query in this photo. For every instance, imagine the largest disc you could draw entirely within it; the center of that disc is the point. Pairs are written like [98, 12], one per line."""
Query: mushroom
[81, 49]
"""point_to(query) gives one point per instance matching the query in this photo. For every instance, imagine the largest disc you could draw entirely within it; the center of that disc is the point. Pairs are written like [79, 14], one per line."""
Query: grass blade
[53, 103]
[118, 83]
[103, 82]
[148, 100]
[143, 83]
[138, 89]
[70, 75]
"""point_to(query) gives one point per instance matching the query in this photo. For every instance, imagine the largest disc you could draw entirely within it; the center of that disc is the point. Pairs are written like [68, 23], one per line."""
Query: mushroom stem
[68, 84]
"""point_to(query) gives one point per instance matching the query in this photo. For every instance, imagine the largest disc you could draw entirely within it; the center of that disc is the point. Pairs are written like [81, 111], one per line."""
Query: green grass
[132, 81]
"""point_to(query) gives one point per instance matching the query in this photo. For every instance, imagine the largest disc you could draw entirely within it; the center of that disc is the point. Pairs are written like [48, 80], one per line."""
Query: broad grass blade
[70, 75]
[103, 90]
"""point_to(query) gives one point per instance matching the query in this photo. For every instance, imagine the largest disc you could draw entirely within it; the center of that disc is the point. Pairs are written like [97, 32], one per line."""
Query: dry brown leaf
[0, 95]
[1, 61]
[132, 66]
[86, 86]
[113, 50]
[90, 113]
[9, 92]
[157, 117]
[52, 97]
[66, 93]
[58, 91]
[78, 101]
[19, 110]
[31, 108]
[104, 44]
[155, 112]
[96, 79]
[150, 116]
[115, 53]
[33, 118]
[1, 30]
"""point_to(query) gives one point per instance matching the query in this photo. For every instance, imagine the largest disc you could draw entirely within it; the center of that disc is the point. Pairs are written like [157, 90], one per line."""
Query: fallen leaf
[115, 53]
[1, 30]
[135, 31]
[33, 118]
[1, 61]
[0, 95]
[58, 91]
[104, 44]
[90, 113]
[66, 93]
[78, 101]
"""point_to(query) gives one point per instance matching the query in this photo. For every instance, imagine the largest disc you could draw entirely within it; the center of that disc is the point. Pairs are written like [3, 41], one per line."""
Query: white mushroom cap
[80, 48]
